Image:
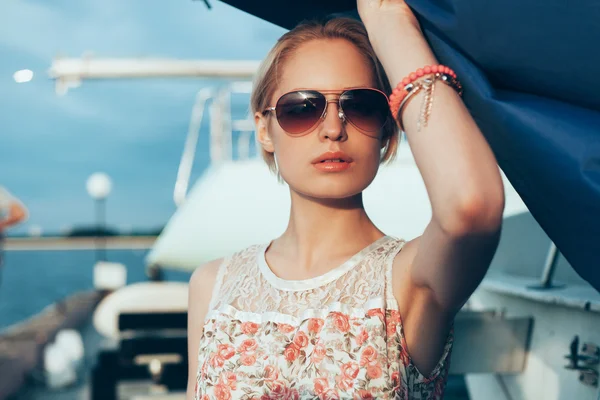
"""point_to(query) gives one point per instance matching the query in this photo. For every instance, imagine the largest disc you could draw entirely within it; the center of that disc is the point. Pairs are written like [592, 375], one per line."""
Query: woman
[334, 308]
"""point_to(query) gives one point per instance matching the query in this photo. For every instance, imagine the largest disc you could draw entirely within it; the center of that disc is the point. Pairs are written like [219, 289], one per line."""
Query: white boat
[529, 278]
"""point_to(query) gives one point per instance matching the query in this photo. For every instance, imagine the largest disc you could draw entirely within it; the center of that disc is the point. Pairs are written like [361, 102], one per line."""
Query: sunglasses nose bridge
[341, 114]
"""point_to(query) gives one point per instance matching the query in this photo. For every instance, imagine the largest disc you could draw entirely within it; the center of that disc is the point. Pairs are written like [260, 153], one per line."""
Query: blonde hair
[267, 78]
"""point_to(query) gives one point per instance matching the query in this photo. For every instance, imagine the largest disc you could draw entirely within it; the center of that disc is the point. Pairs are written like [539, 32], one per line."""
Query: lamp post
[98, 187]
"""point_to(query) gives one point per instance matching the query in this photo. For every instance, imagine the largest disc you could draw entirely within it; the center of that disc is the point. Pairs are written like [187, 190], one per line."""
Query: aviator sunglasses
[298, 112]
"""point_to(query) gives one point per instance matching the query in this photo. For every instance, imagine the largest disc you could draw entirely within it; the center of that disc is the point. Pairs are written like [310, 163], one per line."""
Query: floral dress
[335, 336]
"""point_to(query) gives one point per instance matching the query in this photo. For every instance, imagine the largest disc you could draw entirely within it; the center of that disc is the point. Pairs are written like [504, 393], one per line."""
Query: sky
[133, 130]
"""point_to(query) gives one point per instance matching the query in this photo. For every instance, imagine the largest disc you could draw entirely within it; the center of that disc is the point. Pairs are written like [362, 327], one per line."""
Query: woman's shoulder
[209, 270]
[204, 277]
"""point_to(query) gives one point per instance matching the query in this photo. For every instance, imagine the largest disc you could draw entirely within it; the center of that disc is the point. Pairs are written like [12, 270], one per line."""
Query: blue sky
[133, 130]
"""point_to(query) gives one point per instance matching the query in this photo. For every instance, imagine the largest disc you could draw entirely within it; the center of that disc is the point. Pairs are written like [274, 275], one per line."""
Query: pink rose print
[350, 370]
[321, 385]
[248, 345]
[343, 384]
[271, 373]
[248, 359]
[291, 352]
[374, 371]
[292, 394]
[364, 394]
[222, 392]
[301, 340]
[391, 329]
[216, 361]
[285, 328]
[368, 355]
[229, 379]
[331, 394]
[393, 321]
[394, 316]
[362, 337]
[226, 351]
[319, 353]
[340, 321]
[278, 391]
[376, 312]
[315, 325]
[249, 328]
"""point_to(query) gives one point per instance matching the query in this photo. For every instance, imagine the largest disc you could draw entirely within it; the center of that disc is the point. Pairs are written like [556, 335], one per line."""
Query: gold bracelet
[427, 84]
[413, 90]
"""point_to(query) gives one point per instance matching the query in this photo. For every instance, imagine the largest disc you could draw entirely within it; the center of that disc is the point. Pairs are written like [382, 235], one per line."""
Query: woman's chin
[330, 186]
[329, 192]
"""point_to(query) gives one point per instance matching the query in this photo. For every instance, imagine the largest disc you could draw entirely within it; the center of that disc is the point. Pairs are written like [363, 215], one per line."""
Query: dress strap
[389, 264]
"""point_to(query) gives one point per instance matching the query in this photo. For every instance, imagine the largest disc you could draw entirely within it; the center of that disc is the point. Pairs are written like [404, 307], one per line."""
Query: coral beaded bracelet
[421, 79]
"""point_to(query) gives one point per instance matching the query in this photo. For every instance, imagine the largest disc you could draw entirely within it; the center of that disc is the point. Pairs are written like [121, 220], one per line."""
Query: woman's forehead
[325, 65]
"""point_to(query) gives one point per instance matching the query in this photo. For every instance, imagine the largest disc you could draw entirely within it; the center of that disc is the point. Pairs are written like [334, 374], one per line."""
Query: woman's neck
[325, 229]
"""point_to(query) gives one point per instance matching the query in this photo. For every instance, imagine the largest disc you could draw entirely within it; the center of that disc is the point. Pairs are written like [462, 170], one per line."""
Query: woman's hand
[391, 24]
[396, 37]
[377, 15]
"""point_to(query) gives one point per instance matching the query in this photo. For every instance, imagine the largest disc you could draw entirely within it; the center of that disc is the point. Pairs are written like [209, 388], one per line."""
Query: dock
[78, 243]
[22, 344]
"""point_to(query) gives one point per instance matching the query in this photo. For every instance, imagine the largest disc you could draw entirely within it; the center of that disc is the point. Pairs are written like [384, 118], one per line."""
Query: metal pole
[546, 281]
[101, 229]
[550, 266]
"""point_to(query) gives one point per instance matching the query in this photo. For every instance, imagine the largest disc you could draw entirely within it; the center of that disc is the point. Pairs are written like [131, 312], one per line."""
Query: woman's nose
[333, 122]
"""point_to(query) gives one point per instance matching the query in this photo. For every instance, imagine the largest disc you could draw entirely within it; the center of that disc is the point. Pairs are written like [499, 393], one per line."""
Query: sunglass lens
[299, 111]
[366, 109]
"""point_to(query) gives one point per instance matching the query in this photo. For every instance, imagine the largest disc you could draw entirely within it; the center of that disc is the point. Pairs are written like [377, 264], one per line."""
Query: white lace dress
[336, 336]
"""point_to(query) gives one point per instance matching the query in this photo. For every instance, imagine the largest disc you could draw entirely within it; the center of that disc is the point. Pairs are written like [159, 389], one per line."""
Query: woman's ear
[262, 133]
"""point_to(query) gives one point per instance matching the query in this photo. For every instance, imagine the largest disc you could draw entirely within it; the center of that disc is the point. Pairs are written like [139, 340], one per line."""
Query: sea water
[32, 280]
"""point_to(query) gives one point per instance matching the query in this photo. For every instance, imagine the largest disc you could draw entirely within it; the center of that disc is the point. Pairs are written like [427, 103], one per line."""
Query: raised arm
[436, 273]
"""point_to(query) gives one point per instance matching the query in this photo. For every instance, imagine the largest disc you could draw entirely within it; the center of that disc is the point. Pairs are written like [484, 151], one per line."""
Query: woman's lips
[332, 166]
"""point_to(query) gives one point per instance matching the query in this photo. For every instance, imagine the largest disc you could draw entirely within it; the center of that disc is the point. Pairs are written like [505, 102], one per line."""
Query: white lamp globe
[23, 76]
[99, 185]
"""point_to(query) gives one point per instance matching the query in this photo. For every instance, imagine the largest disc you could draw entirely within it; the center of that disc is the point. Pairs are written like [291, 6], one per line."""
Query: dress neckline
[317, 281]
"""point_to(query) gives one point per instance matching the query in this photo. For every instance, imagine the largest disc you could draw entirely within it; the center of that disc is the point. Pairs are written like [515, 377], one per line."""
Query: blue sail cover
[531, 74]
[530, 70]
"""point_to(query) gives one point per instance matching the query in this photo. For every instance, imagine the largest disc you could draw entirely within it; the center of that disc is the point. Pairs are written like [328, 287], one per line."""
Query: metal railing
[222, 126]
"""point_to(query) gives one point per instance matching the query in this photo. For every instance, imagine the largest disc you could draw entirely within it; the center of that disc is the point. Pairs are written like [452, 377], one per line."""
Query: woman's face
[323, 65]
